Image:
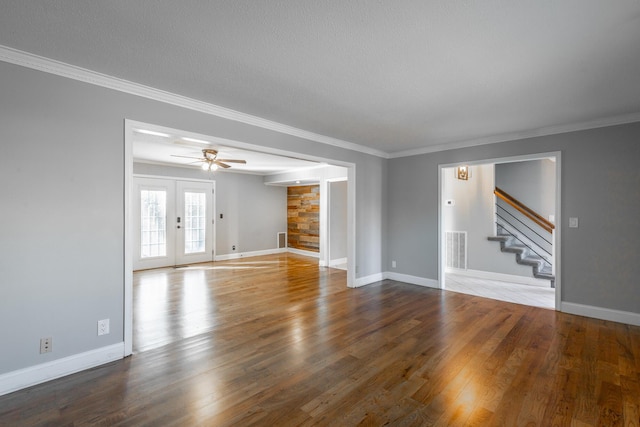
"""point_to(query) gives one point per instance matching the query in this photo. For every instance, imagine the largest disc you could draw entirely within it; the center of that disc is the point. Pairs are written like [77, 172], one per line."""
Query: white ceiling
[395, 76]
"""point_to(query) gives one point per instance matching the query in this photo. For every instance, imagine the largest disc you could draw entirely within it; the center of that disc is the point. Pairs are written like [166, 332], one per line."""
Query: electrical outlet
[393, 264]
[233, 248]
[103, 327]
[46, 345]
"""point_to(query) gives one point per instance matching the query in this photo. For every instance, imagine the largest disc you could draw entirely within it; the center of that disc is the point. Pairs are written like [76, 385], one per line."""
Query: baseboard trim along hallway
[27, 377]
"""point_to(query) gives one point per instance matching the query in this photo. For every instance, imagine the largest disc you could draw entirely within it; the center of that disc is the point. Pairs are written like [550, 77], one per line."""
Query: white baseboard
[601, 313]
[500, 277]
[367, 280]
[27, 377]
[338, 261]
[237, 255]
[304, 253]
[414, 280]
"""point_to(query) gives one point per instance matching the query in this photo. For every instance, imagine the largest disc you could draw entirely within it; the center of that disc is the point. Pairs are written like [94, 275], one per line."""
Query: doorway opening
[495, 249]
[168, 138]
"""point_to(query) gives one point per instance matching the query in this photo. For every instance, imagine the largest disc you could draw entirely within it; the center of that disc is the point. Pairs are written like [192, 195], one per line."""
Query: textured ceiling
[392, 75]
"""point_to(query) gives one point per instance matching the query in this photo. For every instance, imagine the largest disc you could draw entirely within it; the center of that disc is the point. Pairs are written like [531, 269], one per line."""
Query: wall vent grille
[456, 247]
[282, 240]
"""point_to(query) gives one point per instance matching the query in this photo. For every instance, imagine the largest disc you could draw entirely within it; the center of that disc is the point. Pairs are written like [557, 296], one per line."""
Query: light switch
[573, 222]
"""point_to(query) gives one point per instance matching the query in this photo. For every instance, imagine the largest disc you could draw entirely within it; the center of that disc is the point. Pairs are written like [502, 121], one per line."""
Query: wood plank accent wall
[303, 217]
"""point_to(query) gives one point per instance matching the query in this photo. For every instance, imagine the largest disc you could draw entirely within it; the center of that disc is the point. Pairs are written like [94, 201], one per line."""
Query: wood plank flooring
[278, 341]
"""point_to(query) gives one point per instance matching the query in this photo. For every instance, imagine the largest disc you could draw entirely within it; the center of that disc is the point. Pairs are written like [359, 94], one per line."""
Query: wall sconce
[463, 172]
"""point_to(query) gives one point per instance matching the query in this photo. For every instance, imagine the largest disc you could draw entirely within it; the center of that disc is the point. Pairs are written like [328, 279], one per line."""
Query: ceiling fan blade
[244, 162]
[222, 165]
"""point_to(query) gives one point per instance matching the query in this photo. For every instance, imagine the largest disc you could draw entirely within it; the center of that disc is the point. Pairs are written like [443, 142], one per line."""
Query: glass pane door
[153, 230]
[154, 214]
[195, 227]
[195, 232]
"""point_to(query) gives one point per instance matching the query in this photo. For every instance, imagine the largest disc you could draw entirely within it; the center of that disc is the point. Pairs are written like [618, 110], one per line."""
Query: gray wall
[533, 182]
[253, 213]
[473, 212]
[338, 219]
[600, 185]
[62, 173]
[62, 193]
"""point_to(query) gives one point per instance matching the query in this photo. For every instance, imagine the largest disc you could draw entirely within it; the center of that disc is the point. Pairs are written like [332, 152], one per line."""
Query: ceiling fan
[210, 160]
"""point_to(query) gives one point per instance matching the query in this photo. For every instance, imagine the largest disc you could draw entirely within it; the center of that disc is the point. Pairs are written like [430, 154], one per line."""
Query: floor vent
[456, 247]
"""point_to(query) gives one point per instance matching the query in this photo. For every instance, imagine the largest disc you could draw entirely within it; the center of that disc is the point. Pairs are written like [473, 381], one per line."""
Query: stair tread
[547, 276]
[515, 249]
[533, 262]
[532, 258]
[516, 246]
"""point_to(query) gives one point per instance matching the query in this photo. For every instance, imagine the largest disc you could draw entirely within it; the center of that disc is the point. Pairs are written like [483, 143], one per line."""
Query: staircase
[521, 231]
[525, 256]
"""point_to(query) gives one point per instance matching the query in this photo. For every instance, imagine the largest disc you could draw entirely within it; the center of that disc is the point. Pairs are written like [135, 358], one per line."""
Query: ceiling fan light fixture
[209, 166]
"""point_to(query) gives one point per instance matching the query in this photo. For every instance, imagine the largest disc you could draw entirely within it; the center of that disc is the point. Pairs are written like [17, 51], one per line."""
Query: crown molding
[514, 136]
[52, 66]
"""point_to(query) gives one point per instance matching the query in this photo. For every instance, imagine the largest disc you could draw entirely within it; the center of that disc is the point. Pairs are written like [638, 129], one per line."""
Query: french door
[173, 222]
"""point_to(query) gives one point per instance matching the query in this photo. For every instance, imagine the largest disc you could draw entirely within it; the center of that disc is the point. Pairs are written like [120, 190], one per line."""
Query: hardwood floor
[278, 341]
